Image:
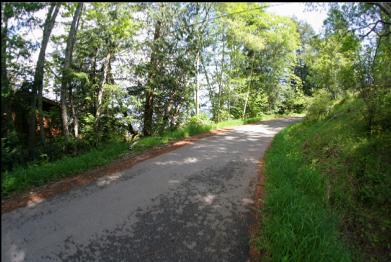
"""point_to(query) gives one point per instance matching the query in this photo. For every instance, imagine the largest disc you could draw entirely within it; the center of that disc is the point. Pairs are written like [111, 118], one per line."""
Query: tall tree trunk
[5, 88]
[197, 85]
[38, 80]
[66, 68]
[74, 114]
[148, 110]
[221, 82]
[249, 87]
[210, 90]
[93, 73]
[166, 115]
[174, 116]
[106, 68]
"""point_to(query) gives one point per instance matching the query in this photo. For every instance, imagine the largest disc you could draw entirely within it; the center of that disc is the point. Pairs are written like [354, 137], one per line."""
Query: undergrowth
[327, 192]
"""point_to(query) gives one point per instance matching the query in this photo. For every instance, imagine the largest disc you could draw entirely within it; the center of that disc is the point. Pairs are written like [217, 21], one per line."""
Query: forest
[107, 78]
[122, 69]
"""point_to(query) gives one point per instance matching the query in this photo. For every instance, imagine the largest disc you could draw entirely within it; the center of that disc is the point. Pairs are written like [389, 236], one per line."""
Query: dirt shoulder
[254, 253]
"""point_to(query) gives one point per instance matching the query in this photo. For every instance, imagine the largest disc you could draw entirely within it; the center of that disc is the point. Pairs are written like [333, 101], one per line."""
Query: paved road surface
[191, 204]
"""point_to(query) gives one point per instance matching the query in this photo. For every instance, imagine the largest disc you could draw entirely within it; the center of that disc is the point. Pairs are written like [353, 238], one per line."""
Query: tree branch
[372, 29]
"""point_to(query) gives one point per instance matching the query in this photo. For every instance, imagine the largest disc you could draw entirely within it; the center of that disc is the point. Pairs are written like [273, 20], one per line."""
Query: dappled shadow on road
[201, 220]
[115, 170]
[244, 139]
[205, 214]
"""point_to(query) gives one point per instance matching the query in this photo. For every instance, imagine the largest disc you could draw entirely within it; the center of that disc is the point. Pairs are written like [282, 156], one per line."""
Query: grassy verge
[327, 194]
[296, 223]
[22, 178]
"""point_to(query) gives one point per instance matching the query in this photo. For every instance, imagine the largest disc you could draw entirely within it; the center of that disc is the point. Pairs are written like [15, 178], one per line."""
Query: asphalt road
[191, 204]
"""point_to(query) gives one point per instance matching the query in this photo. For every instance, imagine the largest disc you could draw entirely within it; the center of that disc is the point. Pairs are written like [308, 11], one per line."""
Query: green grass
[327, 194]
[296, 223]
[21, 178]
[24, 178]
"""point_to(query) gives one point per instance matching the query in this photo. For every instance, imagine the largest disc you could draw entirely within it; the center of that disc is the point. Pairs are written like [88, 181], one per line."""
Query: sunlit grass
[327, 190]
[23, 178]
[296, 224]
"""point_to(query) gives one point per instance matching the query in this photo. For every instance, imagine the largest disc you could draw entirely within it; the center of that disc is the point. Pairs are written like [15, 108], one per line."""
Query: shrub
[377, 110]
[198, 123]
[320, 107]
[11, 151]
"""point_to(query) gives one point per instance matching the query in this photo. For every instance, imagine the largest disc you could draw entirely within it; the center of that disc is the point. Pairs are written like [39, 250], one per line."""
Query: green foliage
[377, 110]
[294, 99]
[253, 53]
[199, 123]
[329, 170]
[260, 52]
[11, 151]
[296, 224]
[320, 107]
[22, 178]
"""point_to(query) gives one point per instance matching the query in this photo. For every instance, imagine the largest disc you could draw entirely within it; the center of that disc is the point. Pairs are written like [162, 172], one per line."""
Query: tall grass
[327, 192]
[296, 222]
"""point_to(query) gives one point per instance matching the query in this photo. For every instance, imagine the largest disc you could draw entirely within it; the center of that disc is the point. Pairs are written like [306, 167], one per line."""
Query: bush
[320, 107]
[198, 123]
[295, 101]
[11, 151]
[377, 110]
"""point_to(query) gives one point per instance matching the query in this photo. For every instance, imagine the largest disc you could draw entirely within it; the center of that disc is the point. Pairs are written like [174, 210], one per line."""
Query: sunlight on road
[208, 199]
[109, 179]
[16, 255]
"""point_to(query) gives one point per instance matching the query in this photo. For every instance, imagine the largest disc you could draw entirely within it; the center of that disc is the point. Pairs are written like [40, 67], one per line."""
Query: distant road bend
[191, 204]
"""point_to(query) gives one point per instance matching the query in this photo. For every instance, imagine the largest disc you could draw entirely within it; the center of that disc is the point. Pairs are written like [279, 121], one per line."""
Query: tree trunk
[210, 91]
[249, 88]
[93, 73]
[66, 68]
[38, 80]
[166, 116]
[4, 32]
[197, 85]
[148, 110]
[74, 114]
[5, 89]
[106, 67]
[221, 82]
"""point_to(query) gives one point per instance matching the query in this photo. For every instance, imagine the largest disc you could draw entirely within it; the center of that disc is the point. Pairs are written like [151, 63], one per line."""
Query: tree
[6, 14]
[19, 12]
[262, 52]
[148, 111]
[37, 86]
[66, 69]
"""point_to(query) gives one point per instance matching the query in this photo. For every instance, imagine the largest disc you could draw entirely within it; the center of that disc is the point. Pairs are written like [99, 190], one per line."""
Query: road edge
[41, 193]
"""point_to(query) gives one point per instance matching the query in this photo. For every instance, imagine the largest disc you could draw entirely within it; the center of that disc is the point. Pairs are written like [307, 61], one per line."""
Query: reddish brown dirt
[39, 194]
[254, 253]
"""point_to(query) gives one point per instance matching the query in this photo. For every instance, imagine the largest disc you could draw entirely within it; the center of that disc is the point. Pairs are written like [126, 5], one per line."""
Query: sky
[314, 18]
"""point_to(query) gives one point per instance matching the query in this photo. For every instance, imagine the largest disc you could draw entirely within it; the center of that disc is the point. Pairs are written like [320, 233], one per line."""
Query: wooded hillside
[112, 71]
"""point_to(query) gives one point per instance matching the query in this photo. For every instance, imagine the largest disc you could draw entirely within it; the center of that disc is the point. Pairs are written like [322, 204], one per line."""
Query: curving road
[191, 204]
